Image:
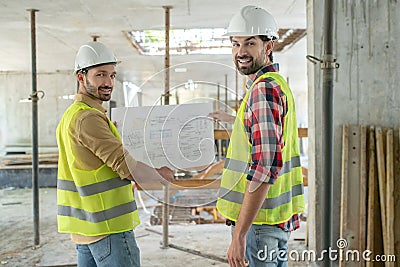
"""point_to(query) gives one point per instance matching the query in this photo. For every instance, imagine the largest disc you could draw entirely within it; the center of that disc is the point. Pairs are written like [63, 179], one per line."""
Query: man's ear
[269, 47]
[79, 76]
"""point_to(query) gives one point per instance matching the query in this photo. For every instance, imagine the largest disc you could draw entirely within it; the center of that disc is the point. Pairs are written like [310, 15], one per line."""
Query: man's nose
[242, 51]
[109, 81]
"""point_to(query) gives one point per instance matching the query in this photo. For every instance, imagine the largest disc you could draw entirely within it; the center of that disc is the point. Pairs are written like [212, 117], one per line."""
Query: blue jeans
[266, 246]
[116, 250]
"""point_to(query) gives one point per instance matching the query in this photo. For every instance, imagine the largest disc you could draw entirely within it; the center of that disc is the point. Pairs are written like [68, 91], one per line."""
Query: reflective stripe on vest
[99, 216]
[91, 202]
[243, 167]
[269, 203]
[286, 196]
[92, 189]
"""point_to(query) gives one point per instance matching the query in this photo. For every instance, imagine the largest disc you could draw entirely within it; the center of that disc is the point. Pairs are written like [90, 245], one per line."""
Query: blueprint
[177, 136]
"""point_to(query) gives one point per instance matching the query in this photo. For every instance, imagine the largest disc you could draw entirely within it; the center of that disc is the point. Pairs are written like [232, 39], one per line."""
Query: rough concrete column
[314, 47]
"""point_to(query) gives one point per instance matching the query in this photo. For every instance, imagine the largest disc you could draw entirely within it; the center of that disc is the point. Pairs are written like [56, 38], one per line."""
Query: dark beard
[253, 68]
[94, 92]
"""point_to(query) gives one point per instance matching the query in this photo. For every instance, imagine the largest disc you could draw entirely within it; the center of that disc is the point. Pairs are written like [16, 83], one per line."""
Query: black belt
[229, 222]
[232, 223]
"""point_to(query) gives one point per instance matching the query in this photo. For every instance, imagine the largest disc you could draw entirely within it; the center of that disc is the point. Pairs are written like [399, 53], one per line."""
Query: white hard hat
[251, 21]
[93, 54]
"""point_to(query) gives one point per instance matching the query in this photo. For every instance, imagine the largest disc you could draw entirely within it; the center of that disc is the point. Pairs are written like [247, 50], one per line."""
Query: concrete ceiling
[62, 26]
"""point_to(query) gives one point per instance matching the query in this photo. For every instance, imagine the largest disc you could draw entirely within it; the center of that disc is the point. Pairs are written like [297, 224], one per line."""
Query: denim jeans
[266, 246]
[116, 250]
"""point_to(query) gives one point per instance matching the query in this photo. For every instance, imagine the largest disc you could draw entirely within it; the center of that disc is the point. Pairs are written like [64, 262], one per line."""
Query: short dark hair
[265, 39]
[83, 71]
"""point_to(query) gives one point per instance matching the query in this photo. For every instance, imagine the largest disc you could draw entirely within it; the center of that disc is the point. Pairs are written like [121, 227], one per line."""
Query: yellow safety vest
[286, 197]
[95, 202]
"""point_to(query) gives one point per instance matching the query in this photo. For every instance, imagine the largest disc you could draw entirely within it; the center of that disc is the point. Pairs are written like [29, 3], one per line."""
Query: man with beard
[261, 190]
[95, 200]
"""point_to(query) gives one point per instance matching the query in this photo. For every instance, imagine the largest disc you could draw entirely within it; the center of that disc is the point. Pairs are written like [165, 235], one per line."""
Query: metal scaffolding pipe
[226, 93]
[165, 208]
[165, 217]
[219, 141]
[166, 57]
[236, 91]
[218, 98]
[328, 65]
[35, 150]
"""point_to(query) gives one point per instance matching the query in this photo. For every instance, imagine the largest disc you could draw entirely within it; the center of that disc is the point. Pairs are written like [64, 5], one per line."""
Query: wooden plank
[382, 184]
[344, 186]
[29, 156]
[397, 190]
[390, 195]
[222, 134]
[373, 217]
[218, 167]
[304, 172]
[363, 191]
[353, 189]
[183, 184]
[226, 134]
[21, 160]
[303, 132]
[215, 168]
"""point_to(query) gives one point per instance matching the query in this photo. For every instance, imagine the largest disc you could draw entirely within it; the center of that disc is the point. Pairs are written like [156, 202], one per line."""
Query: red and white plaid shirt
[264, 123]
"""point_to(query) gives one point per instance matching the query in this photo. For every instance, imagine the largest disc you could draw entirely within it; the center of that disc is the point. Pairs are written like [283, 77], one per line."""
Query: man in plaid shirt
[261, 225]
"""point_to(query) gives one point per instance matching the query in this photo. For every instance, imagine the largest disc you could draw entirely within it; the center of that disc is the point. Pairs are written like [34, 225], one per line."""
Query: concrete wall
[366, 38]
[16, 117]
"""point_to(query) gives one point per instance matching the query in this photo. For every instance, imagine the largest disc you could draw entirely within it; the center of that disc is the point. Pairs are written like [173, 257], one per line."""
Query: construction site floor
[209, 242]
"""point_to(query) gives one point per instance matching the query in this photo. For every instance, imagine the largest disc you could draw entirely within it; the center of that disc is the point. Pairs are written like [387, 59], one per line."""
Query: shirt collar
[270, 68]
[91, 102]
